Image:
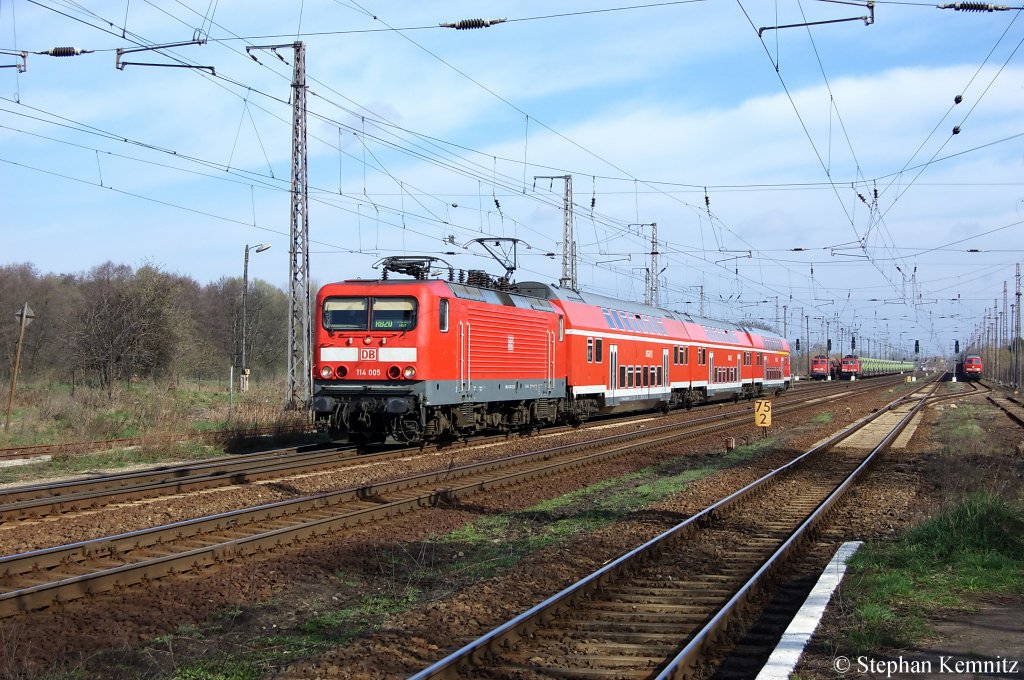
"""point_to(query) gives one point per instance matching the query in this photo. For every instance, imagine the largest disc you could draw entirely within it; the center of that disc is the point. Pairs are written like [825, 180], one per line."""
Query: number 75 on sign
[763, 412]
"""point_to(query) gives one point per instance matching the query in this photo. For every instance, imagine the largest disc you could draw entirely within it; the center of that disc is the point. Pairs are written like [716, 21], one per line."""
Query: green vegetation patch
[976, 546]
[491, 544]
[823, 418]
[313, 635]
[959, 430]
[407, 575]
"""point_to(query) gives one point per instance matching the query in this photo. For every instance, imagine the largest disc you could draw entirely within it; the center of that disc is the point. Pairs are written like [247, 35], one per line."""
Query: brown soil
[994, 627]
[147, 632]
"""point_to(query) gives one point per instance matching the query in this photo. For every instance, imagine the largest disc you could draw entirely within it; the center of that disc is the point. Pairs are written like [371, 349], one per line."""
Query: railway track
[41, 500]
[79, 448]
[39, 578]
[664, 608]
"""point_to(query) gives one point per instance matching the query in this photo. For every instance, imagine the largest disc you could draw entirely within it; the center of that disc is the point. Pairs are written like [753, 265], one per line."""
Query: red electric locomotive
[972, 368]
[820, 367]
[849, 367]
[425, 359]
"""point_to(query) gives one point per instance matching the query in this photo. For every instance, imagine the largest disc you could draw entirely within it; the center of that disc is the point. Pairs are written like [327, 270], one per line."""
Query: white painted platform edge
[787, 653]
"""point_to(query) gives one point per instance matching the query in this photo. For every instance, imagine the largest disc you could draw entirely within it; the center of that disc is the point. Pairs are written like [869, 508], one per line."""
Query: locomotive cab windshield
[369, 313]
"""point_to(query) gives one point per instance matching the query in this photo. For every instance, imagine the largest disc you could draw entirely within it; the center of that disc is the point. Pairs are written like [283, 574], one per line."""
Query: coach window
[647, 376]
[442, 316]
[622, 376]
[599, 350]
[629, 376]
[608, 317]
[760, 359]
[590, 350]
[661, 377]
[675, 355]
[746, 358]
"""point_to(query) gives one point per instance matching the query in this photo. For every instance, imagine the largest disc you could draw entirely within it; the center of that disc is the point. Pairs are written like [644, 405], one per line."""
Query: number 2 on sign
[763, 412]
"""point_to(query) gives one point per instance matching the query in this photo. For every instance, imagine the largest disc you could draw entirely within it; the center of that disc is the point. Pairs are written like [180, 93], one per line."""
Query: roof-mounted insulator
[974, 7]
[468, 24]
[65, 52]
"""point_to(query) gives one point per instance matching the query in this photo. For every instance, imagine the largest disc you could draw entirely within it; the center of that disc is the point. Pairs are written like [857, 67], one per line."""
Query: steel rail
[368, 503]
[688, 659]
[42, 500]
[527, 623]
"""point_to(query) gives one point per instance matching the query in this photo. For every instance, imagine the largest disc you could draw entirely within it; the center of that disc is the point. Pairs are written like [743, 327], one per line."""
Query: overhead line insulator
[974, 7]
[469, 24]
[65, 52]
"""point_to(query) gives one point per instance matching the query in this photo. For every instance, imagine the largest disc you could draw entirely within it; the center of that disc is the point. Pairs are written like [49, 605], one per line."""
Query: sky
[806, 176]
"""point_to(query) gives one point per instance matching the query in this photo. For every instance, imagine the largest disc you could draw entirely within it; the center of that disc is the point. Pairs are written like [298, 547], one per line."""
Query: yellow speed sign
[763, 412]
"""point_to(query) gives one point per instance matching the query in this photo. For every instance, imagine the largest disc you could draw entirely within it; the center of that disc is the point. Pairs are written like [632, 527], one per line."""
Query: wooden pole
[17, 364]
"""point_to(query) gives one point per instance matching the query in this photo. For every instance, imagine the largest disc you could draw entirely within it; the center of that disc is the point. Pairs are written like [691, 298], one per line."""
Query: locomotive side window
[686, 355]
[702, 355]
[599, 350]
[344, 314]
[393, 314]
[442, 315]
[590, 350]
[561, 328]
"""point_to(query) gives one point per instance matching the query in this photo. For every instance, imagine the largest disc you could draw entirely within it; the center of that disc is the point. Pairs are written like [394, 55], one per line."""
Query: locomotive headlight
[325, 372]
[367, 340]
[409, 372]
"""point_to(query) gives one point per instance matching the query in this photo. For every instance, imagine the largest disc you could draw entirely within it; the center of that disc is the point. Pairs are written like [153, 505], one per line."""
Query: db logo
[367, 354]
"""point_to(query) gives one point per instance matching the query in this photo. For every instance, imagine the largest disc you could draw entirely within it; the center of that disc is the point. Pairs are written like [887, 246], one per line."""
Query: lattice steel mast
[568, 279]
[299, 341]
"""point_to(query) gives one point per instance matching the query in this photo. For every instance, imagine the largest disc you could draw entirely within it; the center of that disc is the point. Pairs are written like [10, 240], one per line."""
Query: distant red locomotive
[425, 359]
[820, 367]
[849, 367]
[972, 367]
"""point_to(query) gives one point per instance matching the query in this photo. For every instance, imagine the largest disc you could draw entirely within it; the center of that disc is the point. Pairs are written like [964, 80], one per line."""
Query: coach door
[465, 382]
[613, 366]
[711, 367]
[665, 384]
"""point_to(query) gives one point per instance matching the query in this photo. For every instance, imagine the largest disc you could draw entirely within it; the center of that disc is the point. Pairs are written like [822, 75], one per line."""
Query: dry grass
[54, 413]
